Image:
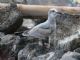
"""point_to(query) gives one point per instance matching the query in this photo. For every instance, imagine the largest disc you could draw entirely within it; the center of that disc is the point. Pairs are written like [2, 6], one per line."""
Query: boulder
[10, 20]
[31, 50]
[7, 47]
[71, 56]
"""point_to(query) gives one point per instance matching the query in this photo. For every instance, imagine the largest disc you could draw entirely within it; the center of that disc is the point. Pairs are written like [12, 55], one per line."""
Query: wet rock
[71, 56]
[11, 19]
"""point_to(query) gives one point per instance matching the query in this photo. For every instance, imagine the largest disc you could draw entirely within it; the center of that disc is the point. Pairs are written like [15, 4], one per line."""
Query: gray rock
[7, 48]
[30, 51]
[10, 20]
[70, 43]
[71, 56]
[77, 50]
[47, 56]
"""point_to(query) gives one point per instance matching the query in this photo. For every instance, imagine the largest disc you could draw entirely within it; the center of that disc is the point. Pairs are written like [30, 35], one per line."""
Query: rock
[28, 23]
[58, 54]
[47, 56]
[70, 43]
[25, 27]
[77, 50]
[10, 20]
[30, 51]
[67, 25]
[7, 48]
[71, 56]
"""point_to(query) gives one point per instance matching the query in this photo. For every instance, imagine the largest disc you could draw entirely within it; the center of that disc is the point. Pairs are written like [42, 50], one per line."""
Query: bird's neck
[52, 20]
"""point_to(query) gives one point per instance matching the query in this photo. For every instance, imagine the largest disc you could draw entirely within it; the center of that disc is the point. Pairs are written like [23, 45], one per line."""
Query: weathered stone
[10, 20]
[70, 43]
[71, 56]
[47, 56]
[77, 50]
[30, 51]
[7, 47]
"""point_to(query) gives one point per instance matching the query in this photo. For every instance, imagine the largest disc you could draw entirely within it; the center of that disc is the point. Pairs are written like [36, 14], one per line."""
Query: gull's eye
[52, 10]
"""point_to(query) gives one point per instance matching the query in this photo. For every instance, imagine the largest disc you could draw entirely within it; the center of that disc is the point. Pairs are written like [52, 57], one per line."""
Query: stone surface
[77, 50]
[47, 56]
[71, 56]
[10, 20]
[30, 51]
[7, 48]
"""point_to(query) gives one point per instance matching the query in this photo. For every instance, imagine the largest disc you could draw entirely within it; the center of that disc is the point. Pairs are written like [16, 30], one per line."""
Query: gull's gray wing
[40, 31]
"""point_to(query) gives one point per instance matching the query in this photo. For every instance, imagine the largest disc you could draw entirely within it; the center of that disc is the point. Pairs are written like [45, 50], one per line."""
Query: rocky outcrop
[31, 51]
[11, 19]
[71, 56]
[7, 47]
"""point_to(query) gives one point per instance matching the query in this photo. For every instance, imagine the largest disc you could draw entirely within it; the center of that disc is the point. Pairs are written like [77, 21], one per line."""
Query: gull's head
[53, 13]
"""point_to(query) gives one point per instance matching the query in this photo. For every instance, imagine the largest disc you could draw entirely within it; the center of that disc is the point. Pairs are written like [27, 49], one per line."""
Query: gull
[46, 28]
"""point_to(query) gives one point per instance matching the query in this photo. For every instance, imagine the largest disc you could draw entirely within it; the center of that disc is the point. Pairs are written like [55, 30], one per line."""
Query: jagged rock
[47, 56]
[77, 50]
[11, 19]
[67, 25]
[30, 51]
[58, 54]
[7, 47]
[71, 56]
[70, 43]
